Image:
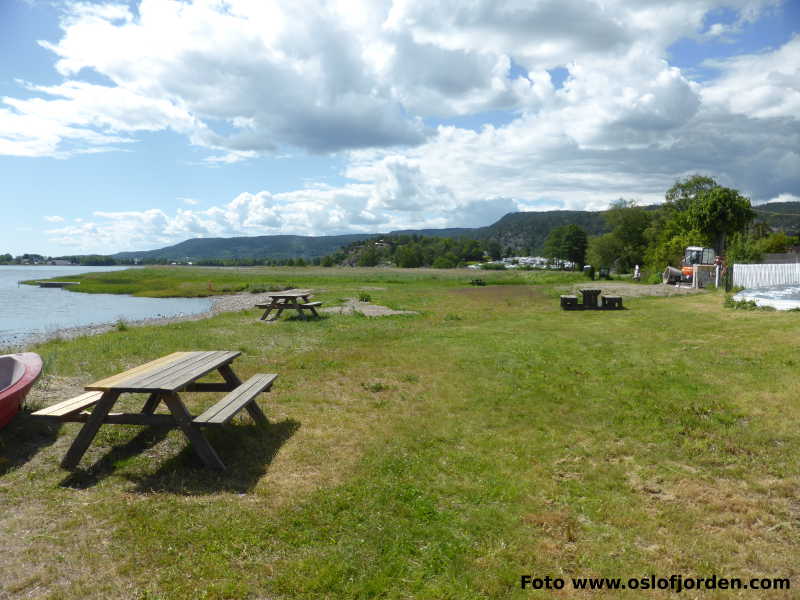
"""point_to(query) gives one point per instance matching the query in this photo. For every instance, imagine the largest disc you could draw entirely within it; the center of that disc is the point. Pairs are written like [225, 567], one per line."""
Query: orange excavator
[692, 256]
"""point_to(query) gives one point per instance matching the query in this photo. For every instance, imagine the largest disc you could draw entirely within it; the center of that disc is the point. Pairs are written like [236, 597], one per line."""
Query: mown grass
[437, 455]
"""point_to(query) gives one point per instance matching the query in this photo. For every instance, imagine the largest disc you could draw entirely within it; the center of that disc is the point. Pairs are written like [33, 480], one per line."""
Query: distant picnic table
[294, 299]
[162, 379]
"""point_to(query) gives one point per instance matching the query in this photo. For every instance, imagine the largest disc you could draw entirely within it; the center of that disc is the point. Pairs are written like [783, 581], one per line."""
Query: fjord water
[27, 311]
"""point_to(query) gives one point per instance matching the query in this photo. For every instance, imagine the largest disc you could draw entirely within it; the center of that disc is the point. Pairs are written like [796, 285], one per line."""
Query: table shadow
[146, 438]
[246, 450]
[23, 437]
[307, 319]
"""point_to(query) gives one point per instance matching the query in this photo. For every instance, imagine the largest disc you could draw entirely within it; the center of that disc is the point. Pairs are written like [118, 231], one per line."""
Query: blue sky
[135, 125]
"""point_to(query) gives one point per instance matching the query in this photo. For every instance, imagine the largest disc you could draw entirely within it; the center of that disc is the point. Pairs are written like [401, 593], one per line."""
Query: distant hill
[528, 230]
[262, 246]
[525, 231]
[783, 216]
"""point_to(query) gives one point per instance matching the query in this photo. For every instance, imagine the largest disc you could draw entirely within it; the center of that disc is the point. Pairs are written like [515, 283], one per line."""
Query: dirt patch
[51, 388]
[613, 288]
[352, 305]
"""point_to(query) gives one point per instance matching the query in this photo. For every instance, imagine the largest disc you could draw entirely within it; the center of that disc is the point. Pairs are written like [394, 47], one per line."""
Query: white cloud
[326, 77]
[244, 78]
[54, 219]
[189, 201]
[784, 198]
[760, 85]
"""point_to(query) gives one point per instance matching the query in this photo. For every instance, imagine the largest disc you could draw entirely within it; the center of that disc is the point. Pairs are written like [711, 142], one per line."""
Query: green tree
[575, 243]
[718, 212]
[604, 250]
[685, 191]
[368, 257]
[553, 243]
[408, 256]
[671, 228]
[749, 247]
[446, 261]
[494, 250]
[628, 224]
[567, 242]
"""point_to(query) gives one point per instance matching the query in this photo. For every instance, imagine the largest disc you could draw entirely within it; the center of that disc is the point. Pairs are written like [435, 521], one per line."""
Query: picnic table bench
[162, 379]
[295, 299]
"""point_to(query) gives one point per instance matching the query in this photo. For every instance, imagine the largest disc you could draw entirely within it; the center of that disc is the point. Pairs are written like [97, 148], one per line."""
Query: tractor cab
[696, 255]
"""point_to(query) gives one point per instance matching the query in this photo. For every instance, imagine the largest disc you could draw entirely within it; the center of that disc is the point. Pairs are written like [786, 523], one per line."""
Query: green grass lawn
[436, 455]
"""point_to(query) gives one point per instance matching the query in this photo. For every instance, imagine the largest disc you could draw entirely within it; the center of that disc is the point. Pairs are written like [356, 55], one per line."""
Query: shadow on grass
[22, 438]
[85, 478]
[246, 450]
[307, 318]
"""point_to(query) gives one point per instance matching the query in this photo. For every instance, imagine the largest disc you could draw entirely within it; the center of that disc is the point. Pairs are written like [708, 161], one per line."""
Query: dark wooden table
[162, 379]
[295, 299]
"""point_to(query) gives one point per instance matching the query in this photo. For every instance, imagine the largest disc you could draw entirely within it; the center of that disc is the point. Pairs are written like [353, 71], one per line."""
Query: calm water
[26, 311]
[781, 297]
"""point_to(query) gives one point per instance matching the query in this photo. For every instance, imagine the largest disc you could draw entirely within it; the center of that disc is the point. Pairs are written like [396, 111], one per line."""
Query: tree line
[697, 212]
[411, 251]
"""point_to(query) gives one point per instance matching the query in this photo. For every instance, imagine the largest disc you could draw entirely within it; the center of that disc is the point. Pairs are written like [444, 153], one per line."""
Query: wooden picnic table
[295, 299]
[162, 379]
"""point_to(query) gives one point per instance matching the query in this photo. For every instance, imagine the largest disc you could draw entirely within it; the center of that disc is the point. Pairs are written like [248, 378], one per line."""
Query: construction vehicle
[693, 257]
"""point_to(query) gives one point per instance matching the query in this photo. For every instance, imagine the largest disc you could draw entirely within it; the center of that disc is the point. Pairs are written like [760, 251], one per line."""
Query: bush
[744, 304]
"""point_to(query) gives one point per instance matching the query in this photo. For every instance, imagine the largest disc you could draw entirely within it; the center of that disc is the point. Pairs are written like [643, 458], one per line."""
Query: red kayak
[18, 372]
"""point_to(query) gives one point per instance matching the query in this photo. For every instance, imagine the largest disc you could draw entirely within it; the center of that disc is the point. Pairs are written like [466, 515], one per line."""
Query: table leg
[89, 430]
[152, 403]
[266, 312]
[254, 409]
[311, 308]
[196, 438]
[229, 376]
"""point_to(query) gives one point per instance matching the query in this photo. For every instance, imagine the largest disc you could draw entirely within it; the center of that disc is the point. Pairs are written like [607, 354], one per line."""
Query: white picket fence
[750, 276]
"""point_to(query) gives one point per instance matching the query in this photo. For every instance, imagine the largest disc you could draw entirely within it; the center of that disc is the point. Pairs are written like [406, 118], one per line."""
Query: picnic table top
[168, 373]
[290, 294]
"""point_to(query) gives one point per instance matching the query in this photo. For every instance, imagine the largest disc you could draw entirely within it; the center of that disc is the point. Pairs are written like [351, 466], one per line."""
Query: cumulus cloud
[326, 77]
[54, 219]
[242, 79]
[760, 85]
